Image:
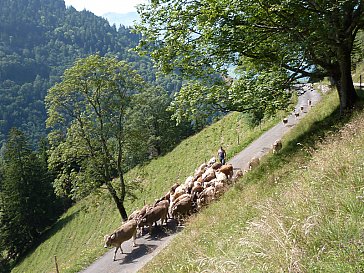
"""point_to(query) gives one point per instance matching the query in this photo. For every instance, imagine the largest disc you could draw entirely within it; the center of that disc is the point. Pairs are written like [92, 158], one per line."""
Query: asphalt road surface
[148, 246]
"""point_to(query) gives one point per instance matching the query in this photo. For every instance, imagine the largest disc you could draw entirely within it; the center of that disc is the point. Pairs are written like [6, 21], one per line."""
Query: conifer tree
[26, 196]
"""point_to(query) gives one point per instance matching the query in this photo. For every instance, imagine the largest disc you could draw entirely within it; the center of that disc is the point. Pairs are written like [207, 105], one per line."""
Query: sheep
[239, 173]
[277, 145]
[221, 176]
[285, 120]
[254, 163]
[216, 165]
[189, 180]
[208, 175]
[152, 216]
[182, 208]
[179, 198]
[220, 188]
[134, 215]
[228, 170]
[182, 189]
[211, 161]
[173, 188]
[196, 189]
[206, 196]
[122, 234]
[199, 171]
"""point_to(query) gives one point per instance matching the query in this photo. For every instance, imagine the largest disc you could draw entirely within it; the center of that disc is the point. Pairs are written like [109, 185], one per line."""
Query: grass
[77, 238]
[300, 211]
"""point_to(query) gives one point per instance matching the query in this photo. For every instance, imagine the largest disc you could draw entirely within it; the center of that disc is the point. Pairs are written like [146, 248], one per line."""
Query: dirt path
[148, 246]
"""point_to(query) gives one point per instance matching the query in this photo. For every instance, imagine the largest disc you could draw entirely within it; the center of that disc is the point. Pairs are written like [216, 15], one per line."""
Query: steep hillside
[300, 211]
[77, 238]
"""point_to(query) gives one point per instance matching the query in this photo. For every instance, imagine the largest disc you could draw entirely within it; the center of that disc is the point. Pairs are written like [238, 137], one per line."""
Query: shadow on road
[147, 243]
[139, 251]
[160, 232]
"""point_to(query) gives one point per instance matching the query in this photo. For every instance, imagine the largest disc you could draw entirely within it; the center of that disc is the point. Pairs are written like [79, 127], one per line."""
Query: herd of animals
[209, 181]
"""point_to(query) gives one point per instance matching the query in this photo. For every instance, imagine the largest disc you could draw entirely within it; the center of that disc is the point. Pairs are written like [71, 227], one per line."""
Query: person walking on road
[221, 154]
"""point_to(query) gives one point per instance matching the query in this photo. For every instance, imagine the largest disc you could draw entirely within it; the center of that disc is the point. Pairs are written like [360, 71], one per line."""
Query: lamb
[277, 145]
[285, 120]
[122, 234]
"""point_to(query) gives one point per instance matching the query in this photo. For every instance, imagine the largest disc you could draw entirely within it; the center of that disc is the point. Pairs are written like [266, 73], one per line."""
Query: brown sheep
[216, 165]
[228, 170]
[122, 234]
[183, 196]
[152, 216]
[181, 209]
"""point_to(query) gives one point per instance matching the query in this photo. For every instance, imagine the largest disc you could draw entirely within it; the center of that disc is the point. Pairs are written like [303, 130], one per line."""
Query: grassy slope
[77, 238]
[300, 211]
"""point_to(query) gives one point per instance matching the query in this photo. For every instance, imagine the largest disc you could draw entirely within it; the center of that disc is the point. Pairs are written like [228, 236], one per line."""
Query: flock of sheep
[209, 181]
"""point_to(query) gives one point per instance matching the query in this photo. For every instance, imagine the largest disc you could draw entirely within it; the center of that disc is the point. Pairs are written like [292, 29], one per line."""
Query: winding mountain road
[148, 246]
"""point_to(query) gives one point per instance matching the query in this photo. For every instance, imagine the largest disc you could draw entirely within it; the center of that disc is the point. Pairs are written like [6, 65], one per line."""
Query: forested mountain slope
[39, 39]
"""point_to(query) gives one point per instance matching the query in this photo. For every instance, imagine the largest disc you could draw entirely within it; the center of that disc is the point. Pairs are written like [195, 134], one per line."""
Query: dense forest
[39, 41]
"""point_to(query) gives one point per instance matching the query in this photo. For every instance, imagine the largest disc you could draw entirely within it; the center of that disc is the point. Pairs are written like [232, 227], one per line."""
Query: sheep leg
[134, 238]
[116, 249]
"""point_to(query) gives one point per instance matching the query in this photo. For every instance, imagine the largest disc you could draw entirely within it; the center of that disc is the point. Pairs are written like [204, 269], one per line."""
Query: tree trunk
[118, 201]
[347, 94]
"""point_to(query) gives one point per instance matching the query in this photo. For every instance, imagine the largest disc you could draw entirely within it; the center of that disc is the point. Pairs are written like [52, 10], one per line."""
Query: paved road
[264, 143]
[148, 246]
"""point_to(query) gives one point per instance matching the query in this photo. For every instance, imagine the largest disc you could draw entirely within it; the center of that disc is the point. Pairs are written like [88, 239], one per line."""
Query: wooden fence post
[55, 260]
[360, 82]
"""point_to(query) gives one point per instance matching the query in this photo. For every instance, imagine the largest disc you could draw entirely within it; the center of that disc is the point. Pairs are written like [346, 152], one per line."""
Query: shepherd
[221, 154]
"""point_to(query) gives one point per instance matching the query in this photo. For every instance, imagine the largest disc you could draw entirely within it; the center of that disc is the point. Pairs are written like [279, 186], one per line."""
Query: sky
[100, 7]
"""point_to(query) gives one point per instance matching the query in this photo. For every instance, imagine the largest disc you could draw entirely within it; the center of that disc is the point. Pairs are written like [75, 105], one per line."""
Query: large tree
[307, 38]
[87, 112]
